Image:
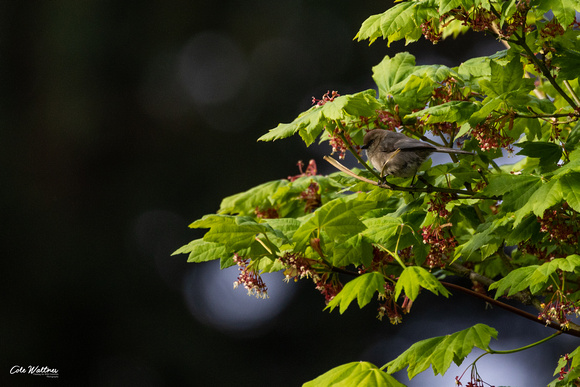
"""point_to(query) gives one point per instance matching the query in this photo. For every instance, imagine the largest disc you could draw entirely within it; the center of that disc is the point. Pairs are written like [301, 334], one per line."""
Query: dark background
[121, 122]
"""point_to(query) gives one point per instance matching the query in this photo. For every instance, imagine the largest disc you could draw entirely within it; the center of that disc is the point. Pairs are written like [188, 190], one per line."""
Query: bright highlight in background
[212, 299]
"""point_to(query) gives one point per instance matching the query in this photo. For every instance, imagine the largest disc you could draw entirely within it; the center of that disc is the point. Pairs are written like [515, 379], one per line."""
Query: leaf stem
[505, 352]
[542, 115]
[394, 254]
[264, 244]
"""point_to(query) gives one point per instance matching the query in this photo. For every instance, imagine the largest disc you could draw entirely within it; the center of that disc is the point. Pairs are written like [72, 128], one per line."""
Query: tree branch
[521, 41]
[428, 189]
[571, 91]
[523, 297]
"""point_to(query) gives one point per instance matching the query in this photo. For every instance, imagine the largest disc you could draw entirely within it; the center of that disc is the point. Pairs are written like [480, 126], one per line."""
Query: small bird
[393, 153]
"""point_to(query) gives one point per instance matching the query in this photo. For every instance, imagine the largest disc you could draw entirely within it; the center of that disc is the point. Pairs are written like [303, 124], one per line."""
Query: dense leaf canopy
[513, 229]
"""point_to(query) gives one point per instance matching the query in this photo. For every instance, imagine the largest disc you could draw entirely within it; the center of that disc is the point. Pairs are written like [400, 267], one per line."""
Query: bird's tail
[451, 150]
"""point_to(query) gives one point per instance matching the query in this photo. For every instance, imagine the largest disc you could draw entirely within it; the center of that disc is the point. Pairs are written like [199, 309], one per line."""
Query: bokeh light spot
[212, 68]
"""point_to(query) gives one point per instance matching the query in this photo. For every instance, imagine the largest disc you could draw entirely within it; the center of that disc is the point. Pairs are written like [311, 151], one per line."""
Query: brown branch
[428, 189]
[521, 41]
[523, 297]
[519, 312]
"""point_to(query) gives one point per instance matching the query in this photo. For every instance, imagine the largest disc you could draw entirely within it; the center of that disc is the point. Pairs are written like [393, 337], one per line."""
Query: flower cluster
[449, 128]
[388, 307]
[442, 244]
[338, 144]
[563, 371]
[266, 213]
[311, 170]
[438, 203]
[394, 314]
[298, 267]
[558, 310]
[540, 253]
[484, 20]
[251, 280]
[475, 380]
[311, 197]
[449, 90]
[479, 20]
[561, 225]
[491, 137]
[552, 29]
[327, 97]
[328, 289]
[518, 20]
[387, 120]
[431, 31]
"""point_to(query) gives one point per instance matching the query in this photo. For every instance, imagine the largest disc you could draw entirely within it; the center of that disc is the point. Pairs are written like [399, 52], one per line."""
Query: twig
[521, 41]
[428, 189]
[571, 91]
[344, 169]
[506, 44]
[573, 329]
[525, 297]
[519, 312]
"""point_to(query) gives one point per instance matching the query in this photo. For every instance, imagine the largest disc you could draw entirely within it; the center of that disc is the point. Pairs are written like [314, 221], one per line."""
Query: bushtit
[395, 154]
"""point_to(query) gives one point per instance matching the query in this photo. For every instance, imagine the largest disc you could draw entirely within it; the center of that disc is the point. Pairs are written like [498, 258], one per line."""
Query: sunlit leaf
[361, 288]
[360, 374]
[413, 278]
[202, 251]
[439, 352]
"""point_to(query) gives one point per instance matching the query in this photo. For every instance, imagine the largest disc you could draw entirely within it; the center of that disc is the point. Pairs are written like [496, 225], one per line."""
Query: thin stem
[571, 91]
[505, 352]
[541, 115]
[521, 41]
[573, 329]
[263, 244]
[395, 255]
[479, 214]
[519, 312]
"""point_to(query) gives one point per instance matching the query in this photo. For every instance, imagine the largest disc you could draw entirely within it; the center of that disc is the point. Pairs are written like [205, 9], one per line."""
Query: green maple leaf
[396, 23]
[564, 10]
[361, 374]
[439, 352]
[391, 74]
[311, 123]
[535, 277]
[453, 111]
[361, 288]
[245, 202]
[548, 152]
[413, 278]
[203, 251]
[337, 218]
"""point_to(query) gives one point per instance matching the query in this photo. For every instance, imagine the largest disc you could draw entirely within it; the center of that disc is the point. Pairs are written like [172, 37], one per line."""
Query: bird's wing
[405, 143]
